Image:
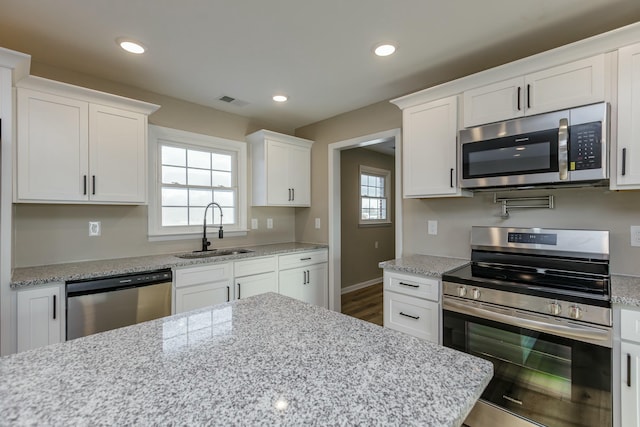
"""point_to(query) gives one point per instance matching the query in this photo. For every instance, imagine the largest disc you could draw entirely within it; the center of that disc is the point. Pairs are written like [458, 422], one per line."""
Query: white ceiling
[317, 52]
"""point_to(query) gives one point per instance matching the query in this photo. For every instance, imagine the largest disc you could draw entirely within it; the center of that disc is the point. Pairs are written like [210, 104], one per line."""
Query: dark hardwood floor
[365, 304]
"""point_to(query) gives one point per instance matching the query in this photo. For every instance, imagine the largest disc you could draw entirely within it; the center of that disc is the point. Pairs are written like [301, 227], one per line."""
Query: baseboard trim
[361, 285]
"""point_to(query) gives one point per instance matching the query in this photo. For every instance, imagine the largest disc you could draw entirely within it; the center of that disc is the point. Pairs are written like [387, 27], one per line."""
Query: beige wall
[375, 118]
[360, 257]
[48, 234]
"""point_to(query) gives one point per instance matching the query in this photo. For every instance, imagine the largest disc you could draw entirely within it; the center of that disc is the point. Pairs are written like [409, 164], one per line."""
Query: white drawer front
[411, 315]
[250, 267]
[418, 286]
[301, 259]
[630, 325]
[205, 274]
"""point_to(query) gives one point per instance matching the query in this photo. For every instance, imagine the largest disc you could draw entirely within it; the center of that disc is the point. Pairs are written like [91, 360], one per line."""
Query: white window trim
[157, 134]
[386, 174]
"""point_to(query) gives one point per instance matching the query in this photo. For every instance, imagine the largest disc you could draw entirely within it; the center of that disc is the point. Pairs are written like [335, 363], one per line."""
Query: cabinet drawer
[254, 266]
[630, 325]
[417, 286]
[411, 315]
[205, 274]
[301, 259]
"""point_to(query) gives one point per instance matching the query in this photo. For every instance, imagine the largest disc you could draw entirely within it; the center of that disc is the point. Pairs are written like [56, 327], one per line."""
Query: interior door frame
[334, 226]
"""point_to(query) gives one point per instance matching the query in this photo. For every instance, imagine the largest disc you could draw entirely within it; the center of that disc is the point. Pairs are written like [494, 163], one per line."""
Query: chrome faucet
[205, 242]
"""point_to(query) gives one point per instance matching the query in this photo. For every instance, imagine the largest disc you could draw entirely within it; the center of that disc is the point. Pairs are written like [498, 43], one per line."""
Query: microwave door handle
[563, 152]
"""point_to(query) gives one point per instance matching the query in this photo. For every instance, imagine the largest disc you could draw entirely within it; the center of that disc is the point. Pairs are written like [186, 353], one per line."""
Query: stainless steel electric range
[536, 302]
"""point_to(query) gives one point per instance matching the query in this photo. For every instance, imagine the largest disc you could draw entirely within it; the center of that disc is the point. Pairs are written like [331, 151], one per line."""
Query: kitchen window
[188, 171]
[374, 195]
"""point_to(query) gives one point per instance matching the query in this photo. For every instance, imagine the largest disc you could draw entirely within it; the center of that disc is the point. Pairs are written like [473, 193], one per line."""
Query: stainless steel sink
[214, 253]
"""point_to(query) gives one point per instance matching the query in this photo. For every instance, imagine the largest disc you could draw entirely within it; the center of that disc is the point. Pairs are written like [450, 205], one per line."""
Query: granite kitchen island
[263, 360]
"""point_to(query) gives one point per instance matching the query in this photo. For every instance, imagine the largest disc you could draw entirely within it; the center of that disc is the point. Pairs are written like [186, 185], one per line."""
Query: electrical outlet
[269, 223]
[94, 228]
[254, 223]
[318, 223]
[432, 227]
[635, 235]
[375, 245]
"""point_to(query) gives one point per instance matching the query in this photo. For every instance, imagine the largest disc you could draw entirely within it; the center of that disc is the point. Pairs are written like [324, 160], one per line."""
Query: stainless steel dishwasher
[97, 305]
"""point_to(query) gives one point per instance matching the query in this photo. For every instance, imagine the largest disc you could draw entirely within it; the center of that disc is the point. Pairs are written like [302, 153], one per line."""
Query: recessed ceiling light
[131, 46]
[385, 49]
[280, 98]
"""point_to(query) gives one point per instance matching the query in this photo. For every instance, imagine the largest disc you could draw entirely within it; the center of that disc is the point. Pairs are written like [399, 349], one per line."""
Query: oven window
[548, 379]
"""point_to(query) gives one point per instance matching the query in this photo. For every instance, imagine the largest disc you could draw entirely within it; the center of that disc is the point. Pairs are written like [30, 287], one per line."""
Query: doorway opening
[366, 237]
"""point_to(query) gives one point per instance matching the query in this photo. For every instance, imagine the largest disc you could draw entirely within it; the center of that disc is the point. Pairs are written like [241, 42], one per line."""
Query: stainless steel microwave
[562, 147]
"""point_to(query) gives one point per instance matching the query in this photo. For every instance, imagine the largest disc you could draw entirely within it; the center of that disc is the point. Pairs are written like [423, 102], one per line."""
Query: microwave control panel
[585, 146]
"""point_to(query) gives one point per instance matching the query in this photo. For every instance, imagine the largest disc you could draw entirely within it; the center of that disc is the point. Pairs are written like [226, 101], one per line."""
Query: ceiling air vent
[232, 101]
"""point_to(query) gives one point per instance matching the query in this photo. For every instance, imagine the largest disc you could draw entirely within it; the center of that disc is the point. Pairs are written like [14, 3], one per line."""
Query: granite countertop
[263, 360]
[423, 264]
[625, 290]
[31, 276]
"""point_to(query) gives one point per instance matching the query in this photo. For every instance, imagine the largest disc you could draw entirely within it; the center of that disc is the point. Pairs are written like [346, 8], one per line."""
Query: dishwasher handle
[114, 283]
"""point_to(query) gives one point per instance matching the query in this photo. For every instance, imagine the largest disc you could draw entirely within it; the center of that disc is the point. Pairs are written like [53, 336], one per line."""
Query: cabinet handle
[228, 293]
[628, 370]
[624, 161]
[519, 90]
[289, 195]
[410, 316]
[84, 185]
[451, 177]
[54, 307]
[308, 277]
[93, 179]
[305, 259]
[304, 277]
[293, 194]
[238, 290]
[411, 285]
[528, 96]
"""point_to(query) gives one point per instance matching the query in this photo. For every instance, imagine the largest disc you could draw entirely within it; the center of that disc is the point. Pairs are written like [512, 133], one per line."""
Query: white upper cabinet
[429, 149]
[577, 83]
[625, 156]
[281, 169]
[79, 146]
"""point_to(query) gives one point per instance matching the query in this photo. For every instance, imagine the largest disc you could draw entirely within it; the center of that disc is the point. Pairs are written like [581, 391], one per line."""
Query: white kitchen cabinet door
[308, 284]
[569, 85]
[117, 155]
[256, 284]
[429, 150]
[52, 148]
[199, 296]
[495, 102]
[625, 173]
[40, 317]
[281, 167]
[630, 378]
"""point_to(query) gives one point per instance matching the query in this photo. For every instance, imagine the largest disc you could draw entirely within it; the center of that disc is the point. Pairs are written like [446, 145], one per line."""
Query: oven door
[540, 378]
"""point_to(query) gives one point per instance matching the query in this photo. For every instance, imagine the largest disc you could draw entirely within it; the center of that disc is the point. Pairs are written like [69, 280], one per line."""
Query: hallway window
[374, 195]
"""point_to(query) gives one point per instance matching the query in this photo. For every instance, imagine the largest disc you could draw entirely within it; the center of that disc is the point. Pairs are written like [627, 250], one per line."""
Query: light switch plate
[432, 227]
[269, 222]
[254, 223]
[635, 235]
[318, 223]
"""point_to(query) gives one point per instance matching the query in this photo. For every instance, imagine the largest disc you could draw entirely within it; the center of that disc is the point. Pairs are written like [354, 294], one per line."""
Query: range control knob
[555, 308]
[475, 293]
[462, 291]
[575, 312]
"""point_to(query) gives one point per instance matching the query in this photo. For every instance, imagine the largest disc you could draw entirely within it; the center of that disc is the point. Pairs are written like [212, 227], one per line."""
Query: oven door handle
[577, 332]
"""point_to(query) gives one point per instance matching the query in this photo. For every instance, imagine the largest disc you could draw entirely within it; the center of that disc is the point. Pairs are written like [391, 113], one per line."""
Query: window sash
[374, 195]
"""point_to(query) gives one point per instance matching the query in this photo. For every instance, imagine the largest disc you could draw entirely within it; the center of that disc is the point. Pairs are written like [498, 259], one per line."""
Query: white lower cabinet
[630, 368]
[305, 276]
[255, 276]
[40, 316]
[412, 305]
[202, 286]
